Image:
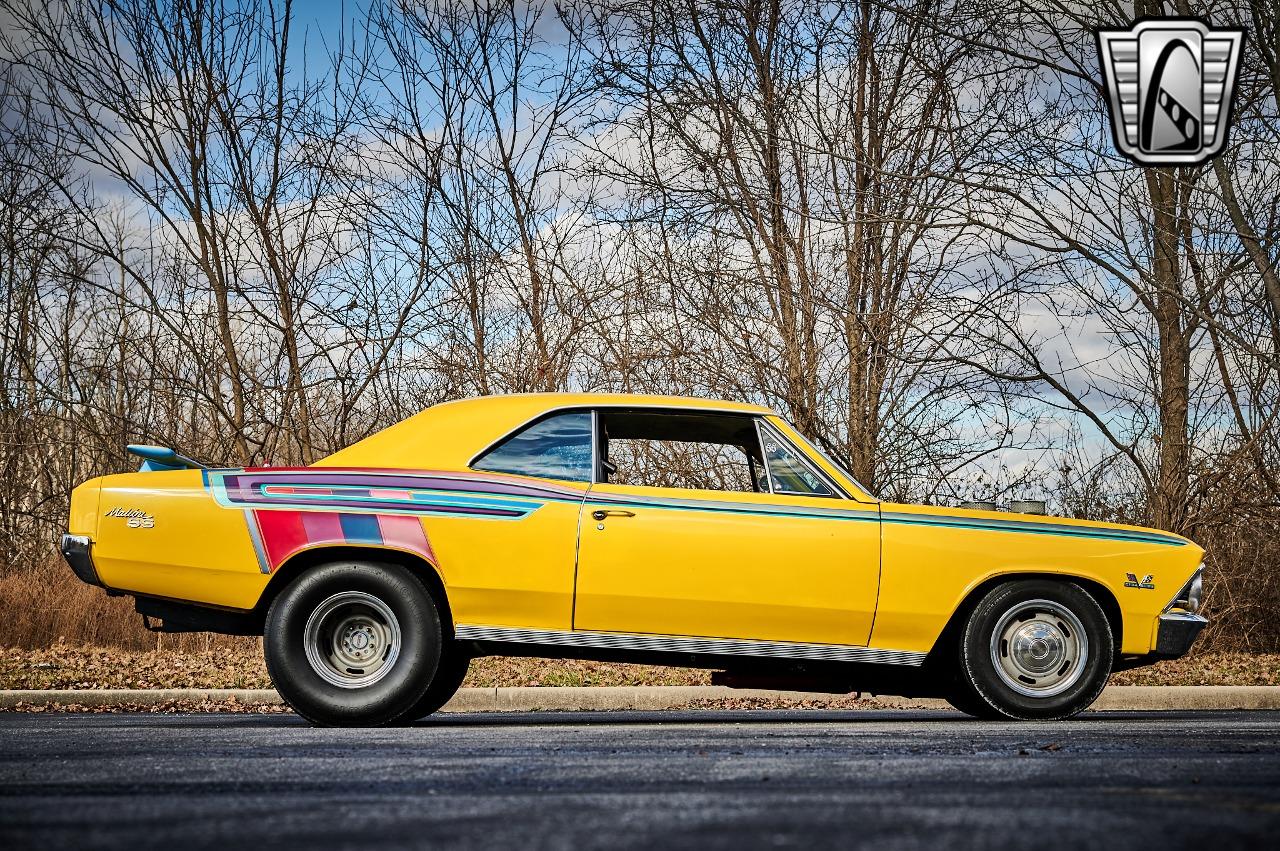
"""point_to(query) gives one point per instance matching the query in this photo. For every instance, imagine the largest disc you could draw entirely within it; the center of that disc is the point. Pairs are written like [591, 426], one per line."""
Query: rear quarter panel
[930, 567]
[502, 546]
[196, 550]
[218, 536]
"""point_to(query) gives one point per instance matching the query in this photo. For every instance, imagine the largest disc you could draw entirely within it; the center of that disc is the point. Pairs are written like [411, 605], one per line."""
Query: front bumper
[76, 550]
[1176, 633]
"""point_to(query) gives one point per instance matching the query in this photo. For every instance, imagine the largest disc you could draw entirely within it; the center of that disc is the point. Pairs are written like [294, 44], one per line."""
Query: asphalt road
[619, 780]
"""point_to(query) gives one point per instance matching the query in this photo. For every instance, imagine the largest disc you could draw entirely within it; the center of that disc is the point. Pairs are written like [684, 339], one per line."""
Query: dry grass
[47, 605]
[67, 666]
[240, 665]
[1207, 668]
[502, 671]
[58, 632]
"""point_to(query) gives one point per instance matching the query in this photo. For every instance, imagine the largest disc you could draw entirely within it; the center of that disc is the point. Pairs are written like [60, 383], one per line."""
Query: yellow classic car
[652, 529]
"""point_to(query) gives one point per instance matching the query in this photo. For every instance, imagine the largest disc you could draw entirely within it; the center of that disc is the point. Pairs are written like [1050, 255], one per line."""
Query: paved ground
[708, 780]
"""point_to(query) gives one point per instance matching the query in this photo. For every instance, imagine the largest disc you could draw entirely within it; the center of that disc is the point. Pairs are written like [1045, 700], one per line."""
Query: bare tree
[794, 164]
[482, 104]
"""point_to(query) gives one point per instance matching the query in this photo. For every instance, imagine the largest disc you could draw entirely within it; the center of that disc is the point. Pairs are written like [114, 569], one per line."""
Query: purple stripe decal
[311, 491]
[252, 482]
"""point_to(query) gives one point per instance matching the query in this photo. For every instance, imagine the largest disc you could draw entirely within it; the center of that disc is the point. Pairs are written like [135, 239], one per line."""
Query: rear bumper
[1176, 633]
[76, 549]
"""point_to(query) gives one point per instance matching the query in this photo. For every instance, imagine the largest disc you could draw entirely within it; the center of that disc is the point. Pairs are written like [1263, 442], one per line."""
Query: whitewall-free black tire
[352, 643]
[1033, 649]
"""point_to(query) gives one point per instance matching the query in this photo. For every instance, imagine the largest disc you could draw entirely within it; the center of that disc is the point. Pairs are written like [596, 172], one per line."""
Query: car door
[789, 559]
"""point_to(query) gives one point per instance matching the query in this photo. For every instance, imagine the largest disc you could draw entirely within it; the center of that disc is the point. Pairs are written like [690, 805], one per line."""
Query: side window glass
[558, 447]
[790, 474]
[686, 450]
[682, 464]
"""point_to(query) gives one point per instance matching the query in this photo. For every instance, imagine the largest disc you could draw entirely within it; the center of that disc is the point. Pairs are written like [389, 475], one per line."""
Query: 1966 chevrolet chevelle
[633, 528]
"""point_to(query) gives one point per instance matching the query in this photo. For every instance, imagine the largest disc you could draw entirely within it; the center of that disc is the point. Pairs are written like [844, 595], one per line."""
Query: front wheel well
[298, 564]
[950, 635]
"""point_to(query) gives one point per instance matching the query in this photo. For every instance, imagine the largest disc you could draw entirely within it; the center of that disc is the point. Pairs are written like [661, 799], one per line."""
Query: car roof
[449, 435]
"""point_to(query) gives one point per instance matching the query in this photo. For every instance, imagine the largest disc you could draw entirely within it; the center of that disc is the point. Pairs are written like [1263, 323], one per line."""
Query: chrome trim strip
[596, 460]
[1188, 617]
[681, 644]
[255, 537]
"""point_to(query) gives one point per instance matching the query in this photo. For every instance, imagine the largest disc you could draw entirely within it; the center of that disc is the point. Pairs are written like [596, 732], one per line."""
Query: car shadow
[607, 718]
[554, 718]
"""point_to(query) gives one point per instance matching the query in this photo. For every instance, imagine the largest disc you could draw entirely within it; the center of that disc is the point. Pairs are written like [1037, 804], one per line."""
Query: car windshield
[844, 470]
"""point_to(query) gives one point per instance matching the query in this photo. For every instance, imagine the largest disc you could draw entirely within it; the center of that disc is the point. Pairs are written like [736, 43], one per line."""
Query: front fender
[930, 570]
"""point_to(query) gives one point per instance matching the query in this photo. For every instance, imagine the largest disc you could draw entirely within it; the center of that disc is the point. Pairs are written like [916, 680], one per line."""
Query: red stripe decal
[384, 493]
[405, 532]
[282, 534]
[322, 527]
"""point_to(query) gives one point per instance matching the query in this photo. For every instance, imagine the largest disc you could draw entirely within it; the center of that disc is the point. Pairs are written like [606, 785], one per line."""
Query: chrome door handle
[602, 513]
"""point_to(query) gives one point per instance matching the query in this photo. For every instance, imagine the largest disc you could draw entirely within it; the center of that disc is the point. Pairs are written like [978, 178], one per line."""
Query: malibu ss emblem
[1131, 581]
[135, 518]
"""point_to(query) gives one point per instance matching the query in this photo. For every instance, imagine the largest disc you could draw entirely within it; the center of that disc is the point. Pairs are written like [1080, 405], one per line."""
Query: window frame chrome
[593, 408]
[597, 467]
[761, 422]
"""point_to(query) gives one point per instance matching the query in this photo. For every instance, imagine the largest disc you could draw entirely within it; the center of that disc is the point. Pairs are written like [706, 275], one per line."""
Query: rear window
[558, 447]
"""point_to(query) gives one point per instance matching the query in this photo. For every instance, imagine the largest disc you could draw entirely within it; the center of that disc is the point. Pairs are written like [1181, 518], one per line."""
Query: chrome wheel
[352, 639]
[1039, 648]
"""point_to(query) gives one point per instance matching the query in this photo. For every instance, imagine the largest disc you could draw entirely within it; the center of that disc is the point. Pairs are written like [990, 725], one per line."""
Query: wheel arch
[304, 560]
[1103, 595]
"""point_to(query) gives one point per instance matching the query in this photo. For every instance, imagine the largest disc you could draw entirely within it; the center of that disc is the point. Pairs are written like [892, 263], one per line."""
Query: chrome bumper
[75, 549]
[1177, 632]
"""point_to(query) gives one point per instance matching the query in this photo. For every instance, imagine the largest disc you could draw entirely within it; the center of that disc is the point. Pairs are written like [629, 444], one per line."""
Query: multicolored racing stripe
[279, 535]
[292, 509]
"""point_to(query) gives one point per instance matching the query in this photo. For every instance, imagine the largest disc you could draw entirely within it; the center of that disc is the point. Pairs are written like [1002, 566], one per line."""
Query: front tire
[1034, 650]
[352, 644]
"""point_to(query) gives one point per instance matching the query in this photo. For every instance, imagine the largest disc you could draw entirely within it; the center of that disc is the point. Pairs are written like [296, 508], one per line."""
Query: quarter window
[558, 447]
[789, 472]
